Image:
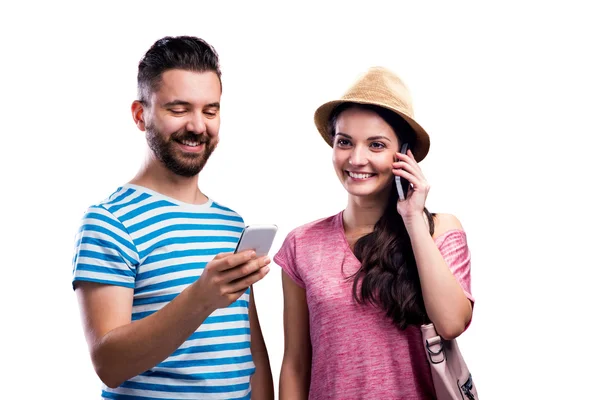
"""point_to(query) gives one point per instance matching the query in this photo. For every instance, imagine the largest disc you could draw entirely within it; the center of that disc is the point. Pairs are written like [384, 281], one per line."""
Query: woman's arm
[294, 381]
[262, 380]
[445, 301]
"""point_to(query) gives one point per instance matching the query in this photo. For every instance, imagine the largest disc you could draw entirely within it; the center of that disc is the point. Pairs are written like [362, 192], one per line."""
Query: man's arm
[121, 349]
[262, 380]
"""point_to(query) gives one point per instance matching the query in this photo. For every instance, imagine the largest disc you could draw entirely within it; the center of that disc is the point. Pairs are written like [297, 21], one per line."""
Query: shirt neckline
[144, 189]
[339, 226]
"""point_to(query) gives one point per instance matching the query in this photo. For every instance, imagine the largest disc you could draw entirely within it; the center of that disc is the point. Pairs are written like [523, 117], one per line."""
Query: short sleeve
[286, 259]
[455, 251]
[104, 250]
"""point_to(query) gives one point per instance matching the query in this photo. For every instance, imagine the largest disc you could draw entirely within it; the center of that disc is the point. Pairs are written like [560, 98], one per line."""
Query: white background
[509, 93]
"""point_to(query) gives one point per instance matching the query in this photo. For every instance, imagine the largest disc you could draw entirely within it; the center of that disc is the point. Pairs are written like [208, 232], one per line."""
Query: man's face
[183, 118]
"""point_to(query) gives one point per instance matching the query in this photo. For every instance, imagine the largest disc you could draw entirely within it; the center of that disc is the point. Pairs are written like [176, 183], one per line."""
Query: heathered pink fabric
[356, 351]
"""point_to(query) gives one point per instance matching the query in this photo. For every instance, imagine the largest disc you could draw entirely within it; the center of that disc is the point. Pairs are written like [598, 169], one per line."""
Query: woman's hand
[407, 168]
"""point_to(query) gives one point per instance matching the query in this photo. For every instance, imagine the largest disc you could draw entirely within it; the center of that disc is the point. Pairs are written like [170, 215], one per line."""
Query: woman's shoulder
[319, 227]
[446, 224]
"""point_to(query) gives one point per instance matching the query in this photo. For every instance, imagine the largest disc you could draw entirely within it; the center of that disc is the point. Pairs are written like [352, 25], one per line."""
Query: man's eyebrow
[216, 105]
[176, 103]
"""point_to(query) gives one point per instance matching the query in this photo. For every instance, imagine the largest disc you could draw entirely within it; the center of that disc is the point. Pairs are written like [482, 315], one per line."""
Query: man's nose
[196, 123]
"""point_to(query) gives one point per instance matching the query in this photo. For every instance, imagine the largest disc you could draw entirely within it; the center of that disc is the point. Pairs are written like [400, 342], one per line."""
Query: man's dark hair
[180, 52]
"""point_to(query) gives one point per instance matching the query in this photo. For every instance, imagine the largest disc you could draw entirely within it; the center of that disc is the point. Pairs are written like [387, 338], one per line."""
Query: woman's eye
[378, 145]
[343, 142]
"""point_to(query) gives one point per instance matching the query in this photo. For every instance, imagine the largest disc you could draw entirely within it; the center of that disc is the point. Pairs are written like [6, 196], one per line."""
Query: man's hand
[229, 275]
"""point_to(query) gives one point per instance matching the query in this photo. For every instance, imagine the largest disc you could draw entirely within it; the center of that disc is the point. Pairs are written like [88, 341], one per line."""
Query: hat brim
[419, 149]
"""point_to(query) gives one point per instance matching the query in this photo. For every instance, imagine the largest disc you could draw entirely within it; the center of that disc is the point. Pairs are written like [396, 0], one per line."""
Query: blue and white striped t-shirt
[157, 246]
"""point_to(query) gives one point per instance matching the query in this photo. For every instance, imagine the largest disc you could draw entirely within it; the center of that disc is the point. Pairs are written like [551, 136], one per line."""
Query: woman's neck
[362, 213]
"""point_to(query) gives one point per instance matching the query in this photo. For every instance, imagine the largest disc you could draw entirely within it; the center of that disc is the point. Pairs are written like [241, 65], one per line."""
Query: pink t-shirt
[357, 353]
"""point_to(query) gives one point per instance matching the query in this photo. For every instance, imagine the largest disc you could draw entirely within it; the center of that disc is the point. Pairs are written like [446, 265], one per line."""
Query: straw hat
[381, 87]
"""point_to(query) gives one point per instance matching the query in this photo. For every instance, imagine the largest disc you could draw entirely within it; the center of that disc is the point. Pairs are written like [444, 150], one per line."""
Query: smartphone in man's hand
[258, 238]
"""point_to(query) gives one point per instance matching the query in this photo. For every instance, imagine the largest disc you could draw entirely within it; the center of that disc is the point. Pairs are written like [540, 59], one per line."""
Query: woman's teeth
[359, 176]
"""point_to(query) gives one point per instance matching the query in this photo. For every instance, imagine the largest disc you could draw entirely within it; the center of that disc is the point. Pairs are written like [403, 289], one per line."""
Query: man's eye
[177, 111]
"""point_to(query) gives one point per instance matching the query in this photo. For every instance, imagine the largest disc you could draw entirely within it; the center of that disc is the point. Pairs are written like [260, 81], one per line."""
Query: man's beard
[184, 164]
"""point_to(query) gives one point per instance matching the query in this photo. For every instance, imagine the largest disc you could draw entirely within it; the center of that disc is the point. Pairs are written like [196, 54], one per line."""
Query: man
[167, 309]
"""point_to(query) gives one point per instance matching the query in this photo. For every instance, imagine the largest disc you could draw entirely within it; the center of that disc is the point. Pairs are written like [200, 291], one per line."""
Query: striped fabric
[157, 246]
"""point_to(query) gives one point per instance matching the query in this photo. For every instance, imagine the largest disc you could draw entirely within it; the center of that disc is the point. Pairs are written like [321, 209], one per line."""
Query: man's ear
[137, 112]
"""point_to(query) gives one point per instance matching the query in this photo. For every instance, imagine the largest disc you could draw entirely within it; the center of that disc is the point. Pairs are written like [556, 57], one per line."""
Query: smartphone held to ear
[402, 184]
[258, 238]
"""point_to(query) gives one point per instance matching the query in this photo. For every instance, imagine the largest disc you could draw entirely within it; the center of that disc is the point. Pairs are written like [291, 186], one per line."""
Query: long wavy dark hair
[388, 277]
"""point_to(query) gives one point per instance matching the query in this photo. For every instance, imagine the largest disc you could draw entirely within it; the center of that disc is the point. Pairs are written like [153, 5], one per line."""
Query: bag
[451, 377]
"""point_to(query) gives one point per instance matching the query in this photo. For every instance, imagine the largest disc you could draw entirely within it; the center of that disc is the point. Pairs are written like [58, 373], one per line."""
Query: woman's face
[364, 147]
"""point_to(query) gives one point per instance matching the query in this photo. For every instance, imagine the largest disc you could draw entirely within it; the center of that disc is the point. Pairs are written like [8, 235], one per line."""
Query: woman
[358, 285]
